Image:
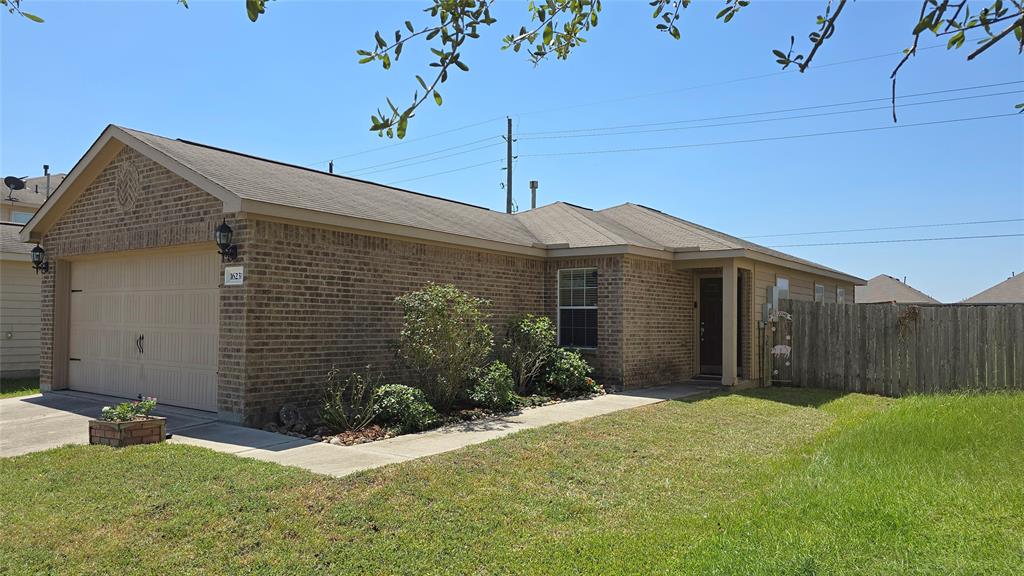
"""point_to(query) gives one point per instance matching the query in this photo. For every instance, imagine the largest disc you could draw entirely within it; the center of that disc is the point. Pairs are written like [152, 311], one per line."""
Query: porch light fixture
[39, 262]
[228, 251]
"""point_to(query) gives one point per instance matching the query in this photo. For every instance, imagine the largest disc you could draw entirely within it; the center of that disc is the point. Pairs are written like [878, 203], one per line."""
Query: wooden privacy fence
[897, 349]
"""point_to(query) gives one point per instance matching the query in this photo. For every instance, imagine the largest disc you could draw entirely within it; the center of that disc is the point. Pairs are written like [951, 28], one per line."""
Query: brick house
[136, 299]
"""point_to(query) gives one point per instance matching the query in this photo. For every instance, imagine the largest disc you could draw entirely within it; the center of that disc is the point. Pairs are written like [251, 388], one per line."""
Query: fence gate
[777, 349]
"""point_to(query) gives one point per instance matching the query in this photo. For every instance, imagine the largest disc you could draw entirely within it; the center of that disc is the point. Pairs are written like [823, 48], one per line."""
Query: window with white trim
[819, 293]
[783, 286]
[577, 308]
[21, 217]
[840, 295]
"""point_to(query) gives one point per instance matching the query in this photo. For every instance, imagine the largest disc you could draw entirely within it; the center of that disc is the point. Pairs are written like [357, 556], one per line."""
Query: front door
[711, 325]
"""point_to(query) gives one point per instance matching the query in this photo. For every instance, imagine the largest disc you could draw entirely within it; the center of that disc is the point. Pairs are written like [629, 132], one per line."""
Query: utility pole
[508, 167]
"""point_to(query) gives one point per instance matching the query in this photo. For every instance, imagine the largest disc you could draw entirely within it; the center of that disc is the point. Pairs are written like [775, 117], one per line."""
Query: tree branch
[991, 41]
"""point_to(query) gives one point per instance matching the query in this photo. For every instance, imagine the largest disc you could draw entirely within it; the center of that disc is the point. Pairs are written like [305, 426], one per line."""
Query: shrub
[568, 374]
[404, 407]
[494, 388]
[348, 405]
[445, 338]
[529, 340]
[128, 411]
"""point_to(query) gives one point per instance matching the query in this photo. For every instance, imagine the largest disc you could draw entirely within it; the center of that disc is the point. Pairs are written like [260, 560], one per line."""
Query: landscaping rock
[337, 441]
[289, 414]
[271, 427]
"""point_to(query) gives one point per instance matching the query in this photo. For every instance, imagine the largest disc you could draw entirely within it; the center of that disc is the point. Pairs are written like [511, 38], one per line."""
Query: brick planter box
[117, 434]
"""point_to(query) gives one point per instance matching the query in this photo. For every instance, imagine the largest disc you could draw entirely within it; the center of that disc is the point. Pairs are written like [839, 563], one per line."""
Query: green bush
[529, 340]
[568, 374]
[348, 405]
[445, 339]
[404, 407]
[128, 411]
[494, 388]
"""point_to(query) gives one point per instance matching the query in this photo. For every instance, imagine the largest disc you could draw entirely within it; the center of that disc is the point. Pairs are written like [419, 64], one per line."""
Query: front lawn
[13, 387]
[770, 482]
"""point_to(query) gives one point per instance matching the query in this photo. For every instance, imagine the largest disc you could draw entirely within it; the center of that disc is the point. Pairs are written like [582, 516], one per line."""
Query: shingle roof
[35, 189]
[253, 178]
[264, 180]
[884, 288]
[10, 242]
[1009, 291]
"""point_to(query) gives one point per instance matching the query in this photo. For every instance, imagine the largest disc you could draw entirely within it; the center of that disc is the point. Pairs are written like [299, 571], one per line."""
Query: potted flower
[128, 423]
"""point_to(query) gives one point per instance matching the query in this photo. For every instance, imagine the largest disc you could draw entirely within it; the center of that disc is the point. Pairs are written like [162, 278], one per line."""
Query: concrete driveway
[39, 422]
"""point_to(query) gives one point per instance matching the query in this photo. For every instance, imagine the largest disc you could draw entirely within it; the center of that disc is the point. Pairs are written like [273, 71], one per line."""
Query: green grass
[13, 387]
[771, 482]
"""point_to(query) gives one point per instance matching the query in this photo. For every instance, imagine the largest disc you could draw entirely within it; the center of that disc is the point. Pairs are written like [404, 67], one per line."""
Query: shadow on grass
[13, 387]
[803, 397]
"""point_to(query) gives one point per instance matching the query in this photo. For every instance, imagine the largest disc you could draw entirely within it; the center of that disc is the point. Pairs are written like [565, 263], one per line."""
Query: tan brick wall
[317, 298]
[607, 358]
[167, 211]
[658, 337]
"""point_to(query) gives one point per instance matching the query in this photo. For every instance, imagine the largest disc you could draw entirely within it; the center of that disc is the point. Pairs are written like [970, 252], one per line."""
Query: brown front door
[711, 325]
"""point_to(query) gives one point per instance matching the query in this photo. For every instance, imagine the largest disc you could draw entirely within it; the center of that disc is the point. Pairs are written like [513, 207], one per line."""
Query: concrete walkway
[40, 422]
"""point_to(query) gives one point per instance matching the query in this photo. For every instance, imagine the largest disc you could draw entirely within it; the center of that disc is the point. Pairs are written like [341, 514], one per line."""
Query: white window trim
[779, 290]
[558, 307]
[822, 286]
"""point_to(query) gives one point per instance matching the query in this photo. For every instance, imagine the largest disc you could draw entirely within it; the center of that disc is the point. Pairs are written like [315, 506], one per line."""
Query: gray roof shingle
[272, 182]
[885, 288]
[10, 242]
[1009, 291]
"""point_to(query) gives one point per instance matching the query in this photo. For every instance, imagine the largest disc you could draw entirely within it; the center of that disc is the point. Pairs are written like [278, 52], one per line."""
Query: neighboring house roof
[885, 288]
[11, 246]
[259, 186]
[34, 193]
[1009, 291]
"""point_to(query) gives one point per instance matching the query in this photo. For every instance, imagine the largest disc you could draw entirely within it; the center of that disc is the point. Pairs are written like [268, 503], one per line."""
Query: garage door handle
[138, 343]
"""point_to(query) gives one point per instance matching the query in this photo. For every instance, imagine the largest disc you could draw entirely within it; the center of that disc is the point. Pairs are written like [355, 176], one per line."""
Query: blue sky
[289, 88]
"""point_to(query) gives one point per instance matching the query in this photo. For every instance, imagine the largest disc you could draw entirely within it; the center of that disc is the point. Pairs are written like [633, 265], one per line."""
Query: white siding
[19, 317]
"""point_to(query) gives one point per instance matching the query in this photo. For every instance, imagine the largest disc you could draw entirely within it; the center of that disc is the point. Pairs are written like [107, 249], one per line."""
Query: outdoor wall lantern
[39, 262]
[228, 251]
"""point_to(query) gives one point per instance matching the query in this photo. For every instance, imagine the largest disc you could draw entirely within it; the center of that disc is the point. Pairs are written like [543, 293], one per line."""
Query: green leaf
[35, 18]
[779, 54]
[462, 66]
[437, 97]
[549, 33]
[403, 123]
[254, 8]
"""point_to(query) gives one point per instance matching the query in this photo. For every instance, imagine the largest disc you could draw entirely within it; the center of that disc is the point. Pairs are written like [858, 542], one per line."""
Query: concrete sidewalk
[343, 460]
[34, 423]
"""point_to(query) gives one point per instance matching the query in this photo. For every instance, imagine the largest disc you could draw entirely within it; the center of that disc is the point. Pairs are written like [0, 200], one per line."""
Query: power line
[599, 102]
[445, 172]
[887, 228]
[533, 135]
[763, 120]
[899, 240]
[400, 142]
[400, 160]
[727, 82]
[485, 146]
[769, 139]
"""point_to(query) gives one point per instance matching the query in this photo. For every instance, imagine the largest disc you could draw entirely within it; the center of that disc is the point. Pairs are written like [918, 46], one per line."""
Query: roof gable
[884, 288]
[1009, 291]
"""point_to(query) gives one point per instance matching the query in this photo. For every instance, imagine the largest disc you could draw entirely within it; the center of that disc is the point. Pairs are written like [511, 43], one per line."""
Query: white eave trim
[769, 259]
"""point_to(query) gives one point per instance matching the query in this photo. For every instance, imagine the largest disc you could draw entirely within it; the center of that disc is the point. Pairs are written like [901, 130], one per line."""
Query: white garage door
[146, 324]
